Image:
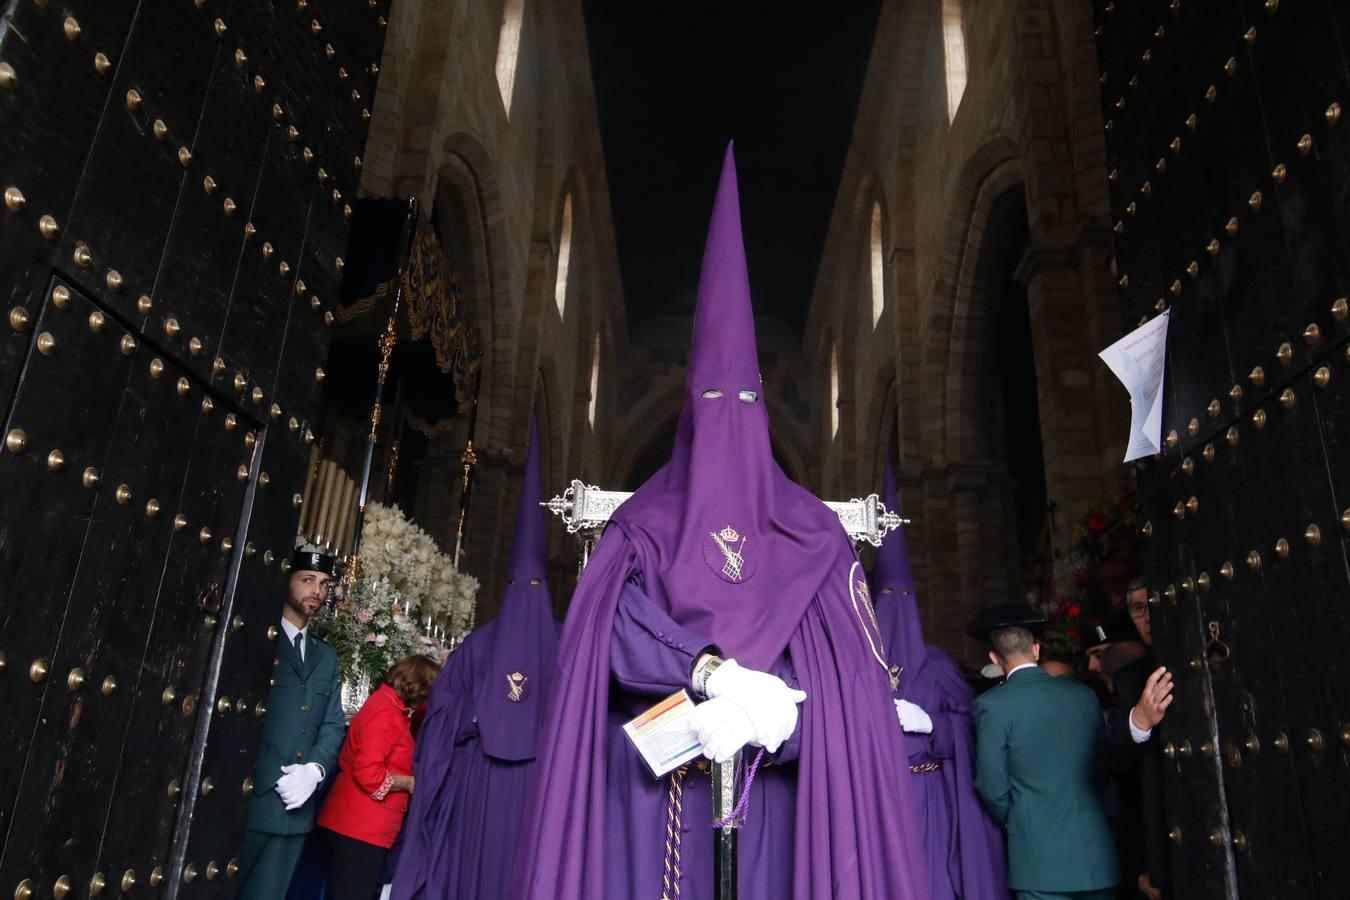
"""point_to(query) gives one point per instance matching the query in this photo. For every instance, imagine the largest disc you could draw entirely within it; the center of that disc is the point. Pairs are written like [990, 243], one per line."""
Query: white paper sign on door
[1138, 360]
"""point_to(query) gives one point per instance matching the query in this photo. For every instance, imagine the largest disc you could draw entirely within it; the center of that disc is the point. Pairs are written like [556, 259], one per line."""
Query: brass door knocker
[209, 598]
[1217, 653]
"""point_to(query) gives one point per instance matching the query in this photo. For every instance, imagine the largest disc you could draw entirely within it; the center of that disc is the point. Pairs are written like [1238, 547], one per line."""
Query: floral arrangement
[403, 596]
[371, 627]
[393, 547]
[1096, 568]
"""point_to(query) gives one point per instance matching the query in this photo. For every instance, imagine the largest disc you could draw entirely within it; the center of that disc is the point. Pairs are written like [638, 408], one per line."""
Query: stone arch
[581, 266]
[989, 171]
[538, 326]
[548, 393]
[595, 442]
[418, 42]
[881, 420]
[974, 312]
[871, 195]
[467, 170]
[656, 417]
[835, 448]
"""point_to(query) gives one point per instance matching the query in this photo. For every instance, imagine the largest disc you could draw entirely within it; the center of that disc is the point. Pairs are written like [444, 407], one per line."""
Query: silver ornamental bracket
[585, 510]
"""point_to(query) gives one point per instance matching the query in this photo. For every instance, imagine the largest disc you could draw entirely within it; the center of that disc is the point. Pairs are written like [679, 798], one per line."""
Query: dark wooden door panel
[126, 196]
[82, 728]
[62, 428]
[164, 329]
[1242, 230]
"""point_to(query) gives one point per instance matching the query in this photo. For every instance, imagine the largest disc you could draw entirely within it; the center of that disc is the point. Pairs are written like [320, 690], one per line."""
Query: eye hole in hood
[712, 394]
[749, 397]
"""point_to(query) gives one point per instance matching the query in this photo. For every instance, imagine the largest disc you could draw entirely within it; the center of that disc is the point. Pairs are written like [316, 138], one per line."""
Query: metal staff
[387, 341]
[724, 808]
[468, 460]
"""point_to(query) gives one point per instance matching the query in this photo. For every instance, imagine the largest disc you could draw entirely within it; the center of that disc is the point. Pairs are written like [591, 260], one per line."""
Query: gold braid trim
[674, 831]
[926, 768]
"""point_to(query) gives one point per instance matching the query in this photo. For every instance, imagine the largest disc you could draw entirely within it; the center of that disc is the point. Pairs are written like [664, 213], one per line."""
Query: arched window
[564, 256]
[954, 53]
[595, 382]
[508, 49]
[878, 267]
[834, 391]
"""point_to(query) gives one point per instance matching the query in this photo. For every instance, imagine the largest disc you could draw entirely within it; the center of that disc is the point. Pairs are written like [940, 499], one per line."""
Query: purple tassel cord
[745, 794]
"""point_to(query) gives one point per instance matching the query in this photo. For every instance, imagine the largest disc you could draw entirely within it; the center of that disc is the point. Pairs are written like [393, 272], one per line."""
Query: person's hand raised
[1153, 703]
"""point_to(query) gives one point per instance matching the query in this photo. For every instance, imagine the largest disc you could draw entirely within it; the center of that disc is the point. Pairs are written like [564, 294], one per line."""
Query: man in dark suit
[1140, 763]
[300, 741]
[1038, 767]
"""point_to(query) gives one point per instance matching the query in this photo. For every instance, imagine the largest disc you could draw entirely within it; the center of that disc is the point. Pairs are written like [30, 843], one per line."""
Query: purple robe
[475, 752]
[966, 857]
[719, 548]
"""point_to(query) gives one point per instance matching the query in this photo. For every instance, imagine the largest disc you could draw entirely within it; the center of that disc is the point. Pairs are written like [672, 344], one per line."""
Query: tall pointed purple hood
[721, 541]
[510, 695]
[893, 592]
[735, 544]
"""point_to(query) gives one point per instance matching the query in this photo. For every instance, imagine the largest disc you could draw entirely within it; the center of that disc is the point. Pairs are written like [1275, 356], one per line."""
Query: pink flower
[373, 638]
[363, 616]
[381, 640]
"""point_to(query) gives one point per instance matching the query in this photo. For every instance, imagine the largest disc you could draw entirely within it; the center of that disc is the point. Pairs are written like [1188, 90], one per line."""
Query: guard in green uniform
[1038, 767]
[300, 741]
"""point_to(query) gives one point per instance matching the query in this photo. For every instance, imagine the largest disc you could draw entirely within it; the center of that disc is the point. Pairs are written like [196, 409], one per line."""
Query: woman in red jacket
[364, 810]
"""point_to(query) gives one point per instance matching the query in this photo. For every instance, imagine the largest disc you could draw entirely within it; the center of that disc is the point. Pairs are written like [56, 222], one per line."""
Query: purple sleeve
[792, 747]
[649, 653]
[941, 742]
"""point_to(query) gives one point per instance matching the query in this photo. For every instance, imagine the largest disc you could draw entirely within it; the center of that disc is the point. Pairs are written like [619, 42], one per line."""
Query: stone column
[1065, 362]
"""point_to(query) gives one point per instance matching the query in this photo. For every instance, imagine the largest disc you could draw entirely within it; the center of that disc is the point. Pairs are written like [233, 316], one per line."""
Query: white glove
[297, 784]
[722, 728]
[912, 718]
[766, 699]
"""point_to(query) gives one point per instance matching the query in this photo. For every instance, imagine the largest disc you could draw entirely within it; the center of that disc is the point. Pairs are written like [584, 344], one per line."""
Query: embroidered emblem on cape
[515, 687]
[724, 552]
[867, 618]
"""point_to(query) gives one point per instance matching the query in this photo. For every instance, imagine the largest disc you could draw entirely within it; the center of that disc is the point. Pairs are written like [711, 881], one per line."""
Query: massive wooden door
[176, 180]
[1228, 137]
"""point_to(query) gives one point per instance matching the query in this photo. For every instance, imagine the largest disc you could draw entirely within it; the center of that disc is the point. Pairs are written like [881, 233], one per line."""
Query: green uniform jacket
[304, 724]
[1039, 772]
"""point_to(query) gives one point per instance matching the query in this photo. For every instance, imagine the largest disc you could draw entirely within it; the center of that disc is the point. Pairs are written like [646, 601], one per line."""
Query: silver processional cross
[586, 510]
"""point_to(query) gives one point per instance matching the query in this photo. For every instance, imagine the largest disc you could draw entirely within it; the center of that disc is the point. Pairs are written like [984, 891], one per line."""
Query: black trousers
[354, 868]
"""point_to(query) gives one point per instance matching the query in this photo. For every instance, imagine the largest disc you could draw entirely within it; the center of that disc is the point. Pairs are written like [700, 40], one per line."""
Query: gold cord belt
[925, 768]
[674, 830]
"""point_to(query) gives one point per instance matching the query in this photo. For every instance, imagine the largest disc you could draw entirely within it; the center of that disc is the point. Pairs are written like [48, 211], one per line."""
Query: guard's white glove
[912, 718]
[722, 728]
[297, 784]
[766, 699]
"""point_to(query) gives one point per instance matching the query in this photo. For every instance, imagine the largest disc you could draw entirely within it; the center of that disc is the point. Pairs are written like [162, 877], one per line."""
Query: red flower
[1098, 521]
[1075, 611]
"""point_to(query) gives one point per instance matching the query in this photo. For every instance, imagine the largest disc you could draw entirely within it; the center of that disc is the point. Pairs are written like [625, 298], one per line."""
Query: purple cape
[726, 545]
[965, 847]
[475, 750]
